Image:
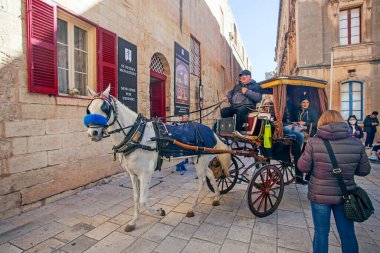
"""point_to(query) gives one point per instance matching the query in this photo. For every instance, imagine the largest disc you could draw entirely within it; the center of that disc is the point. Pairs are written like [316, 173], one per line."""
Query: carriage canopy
[287, 91]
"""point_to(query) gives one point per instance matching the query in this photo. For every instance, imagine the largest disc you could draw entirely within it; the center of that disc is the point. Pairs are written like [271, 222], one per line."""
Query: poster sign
[127, 74]
[181, 80]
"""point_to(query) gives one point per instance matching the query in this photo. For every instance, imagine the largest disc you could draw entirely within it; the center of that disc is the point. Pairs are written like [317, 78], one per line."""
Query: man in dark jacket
[370, 124]
[242, 98]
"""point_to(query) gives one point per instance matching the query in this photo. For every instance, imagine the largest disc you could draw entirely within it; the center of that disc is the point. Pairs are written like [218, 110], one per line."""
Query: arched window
[351, 97]
[156, 65]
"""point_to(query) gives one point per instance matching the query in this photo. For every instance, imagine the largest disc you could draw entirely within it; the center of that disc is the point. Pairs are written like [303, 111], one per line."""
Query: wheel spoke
[225, 181]
[274, 182]
[254, 202]
[261, 202]
[270, 201]
[229, 179]
[265, 203]
[262, 178]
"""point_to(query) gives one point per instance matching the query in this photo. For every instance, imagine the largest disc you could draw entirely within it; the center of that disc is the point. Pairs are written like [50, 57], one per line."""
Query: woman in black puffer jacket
[324, 192]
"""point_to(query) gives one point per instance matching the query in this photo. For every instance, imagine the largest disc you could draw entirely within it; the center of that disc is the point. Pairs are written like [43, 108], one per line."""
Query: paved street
[94, 220]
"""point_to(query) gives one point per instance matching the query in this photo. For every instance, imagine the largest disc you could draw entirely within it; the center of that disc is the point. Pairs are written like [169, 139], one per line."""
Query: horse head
[100, 112]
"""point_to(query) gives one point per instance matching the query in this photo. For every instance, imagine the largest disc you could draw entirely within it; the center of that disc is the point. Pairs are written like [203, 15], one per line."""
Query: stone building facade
[337, 41]
[51, 51]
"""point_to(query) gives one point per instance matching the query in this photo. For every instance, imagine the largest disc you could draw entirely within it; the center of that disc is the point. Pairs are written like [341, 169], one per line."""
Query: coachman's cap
[245, 72]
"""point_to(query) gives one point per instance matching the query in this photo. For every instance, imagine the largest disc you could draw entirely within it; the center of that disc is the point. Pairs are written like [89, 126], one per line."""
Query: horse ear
[92, 93]
[107, 91]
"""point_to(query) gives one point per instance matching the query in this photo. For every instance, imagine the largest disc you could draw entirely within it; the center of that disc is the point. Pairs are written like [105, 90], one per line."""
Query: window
[349, 26]
[75, 70]
[66, 53]
[235, 35]
[221, 21]
[351, 97]
[223, 79]
[195, 57]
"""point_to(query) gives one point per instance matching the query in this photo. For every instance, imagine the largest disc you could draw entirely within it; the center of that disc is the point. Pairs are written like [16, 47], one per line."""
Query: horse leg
[136, 196]
[211, 177]
[201, 180]
[144, 184]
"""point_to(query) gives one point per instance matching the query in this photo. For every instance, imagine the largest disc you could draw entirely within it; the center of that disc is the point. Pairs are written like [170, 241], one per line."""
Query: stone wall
[45, 153]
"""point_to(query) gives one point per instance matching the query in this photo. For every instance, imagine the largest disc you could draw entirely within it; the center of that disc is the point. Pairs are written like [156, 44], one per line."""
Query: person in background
[324, 192]
[180, 167]
[370, 124]
[242, 98]
[375, 153]
[307, 117]
[356, 131]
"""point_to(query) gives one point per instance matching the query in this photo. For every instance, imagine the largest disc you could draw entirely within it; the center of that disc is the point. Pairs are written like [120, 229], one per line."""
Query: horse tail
[224, 159]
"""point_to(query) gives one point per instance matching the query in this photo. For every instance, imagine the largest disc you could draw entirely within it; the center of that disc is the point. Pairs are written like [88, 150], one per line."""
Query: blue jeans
[321, 218]
[298, 135]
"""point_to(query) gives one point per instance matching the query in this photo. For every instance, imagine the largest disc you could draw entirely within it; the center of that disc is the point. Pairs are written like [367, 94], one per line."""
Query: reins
[216, 105]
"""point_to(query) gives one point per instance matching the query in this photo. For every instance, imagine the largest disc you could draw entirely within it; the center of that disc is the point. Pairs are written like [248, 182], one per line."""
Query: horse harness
[133, 137]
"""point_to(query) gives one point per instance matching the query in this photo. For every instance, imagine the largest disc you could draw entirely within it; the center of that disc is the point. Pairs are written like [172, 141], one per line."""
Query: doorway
[157, 95]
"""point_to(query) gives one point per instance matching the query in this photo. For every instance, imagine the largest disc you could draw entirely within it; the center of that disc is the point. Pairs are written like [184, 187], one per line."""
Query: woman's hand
[302, 123]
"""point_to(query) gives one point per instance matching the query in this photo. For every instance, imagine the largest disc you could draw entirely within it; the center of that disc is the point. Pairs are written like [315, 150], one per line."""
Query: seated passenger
[307, 117]
[375, 154]
[242, 98]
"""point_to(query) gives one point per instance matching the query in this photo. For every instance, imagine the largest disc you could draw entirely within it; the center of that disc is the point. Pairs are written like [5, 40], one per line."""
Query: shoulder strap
[336, 169]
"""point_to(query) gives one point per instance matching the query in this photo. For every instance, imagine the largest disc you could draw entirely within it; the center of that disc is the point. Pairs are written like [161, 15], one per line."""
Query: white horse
[141, 163]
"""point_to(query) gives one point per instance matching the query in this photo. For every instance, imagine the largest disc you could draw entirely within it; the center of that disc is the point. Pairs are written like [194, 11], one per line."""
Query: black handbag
[357, 205]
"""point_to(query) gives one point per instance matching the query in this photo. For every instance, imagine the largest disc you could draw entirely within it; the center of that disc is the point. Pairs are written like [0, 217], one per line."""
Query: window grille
[195, 57]
[156, 65]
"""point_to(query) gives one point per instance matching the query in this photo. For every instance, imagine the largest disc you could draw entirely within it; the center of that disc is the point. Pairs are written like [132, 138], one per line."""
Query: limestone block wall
[45, 153]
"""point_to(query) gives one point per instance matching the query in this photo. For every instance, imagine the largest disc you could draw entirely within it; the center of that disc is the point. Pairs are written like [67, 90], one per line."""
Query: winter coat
[368, 124]
[351, 158]
[310, 117]
[253, 95]
[357, 128]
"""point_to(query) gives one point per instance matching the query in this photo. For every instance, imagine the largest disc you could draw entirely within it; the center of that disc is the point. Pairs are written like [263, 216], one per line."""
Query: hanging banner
[127, 74]
[181, 80]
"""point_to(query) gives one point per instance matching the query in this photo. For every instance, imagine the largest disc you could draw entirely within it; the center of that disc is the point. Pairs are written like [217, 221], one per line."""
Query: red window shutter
[107, 60]
[42, 46]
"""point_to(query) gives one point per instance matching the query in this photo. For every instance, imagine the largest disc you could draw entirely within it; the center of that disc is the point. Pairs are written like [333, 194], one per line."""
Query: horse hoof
[215, 203]
[129, 228]
[190, 214]
[162, 212]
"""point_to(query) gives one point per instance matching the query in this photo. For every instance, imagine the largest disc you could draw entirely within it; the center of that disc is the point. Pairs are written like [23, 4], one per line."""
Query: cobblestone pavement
[94, 220]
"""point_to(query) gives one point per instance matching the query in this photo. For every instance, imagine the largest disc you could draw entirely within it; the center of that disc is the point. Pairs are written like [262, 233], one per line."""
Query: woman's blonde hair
[330, 116]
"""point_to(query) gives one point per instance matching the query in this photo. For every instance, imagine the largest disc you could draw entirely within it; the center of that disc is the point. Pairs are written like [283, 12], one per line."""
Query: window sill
[353, 52]
[63, 99]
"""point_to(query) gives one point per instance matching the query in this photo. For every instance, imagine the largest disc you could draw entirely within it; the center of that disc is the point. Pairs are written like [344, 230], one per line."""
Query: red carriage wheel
[265, 190]
[288, 172]
[225, 184]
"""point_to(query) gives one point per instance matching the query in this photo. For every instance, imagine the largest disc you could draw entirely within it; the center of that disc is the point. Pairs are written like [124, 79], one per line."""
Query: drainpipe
[331, 78]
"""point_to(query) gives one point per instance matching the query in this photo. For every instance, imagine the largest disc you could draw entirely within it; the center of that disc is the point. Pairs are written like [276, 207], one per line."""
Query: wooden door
[157, 95]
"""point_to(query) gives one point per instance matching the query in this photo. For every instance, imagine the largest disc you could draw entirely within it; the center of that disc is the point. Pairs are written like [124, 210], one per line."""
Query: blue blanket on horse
[190, 133]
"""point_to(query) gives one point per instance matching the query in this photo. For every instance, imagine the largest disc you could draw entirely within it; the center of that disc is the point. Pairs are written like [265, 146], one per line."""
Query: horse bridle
[107, 107]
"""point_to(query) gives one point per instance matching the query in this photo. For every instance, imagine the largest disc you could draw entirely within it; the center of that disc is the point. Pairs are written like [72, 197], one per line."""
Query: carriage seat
[256, 121]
